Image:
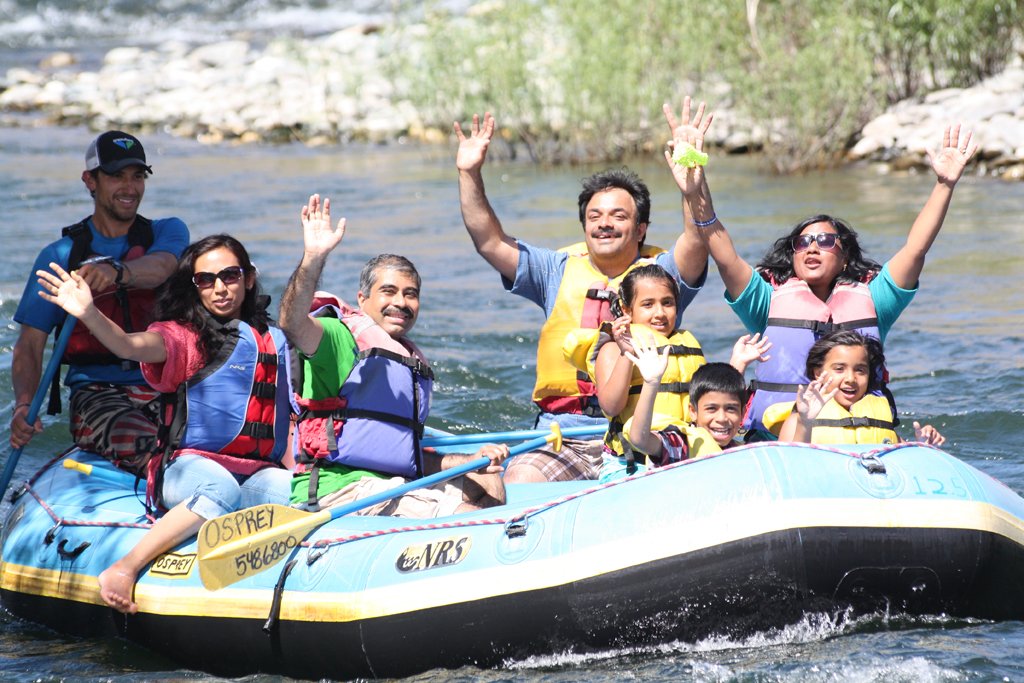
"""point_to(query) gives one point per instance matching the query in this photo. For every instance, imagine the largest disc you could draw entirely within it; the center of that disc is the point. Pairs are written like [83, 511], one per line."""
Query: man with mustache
[366, 390]
[123, 257]
[575, 286]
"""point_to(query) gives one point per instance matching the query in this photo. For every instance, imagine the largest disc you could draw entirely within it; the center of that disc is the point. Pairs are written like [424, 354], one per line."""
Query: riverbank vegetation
[581, 80]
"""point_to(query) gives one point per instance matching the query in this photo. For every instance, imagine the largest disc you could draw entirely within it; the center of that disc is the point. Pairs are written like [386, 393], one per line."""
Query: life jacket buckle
[824, 327]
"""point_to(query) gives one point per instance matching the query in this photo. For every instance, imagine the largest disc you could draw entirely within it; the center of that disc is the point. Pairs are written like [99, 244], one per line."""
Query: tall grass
[580, 80]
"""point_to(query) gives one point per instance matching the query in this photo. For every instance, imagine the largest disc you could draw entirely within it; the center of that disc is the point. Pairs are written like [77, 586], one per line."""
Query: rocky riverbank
[344, 87]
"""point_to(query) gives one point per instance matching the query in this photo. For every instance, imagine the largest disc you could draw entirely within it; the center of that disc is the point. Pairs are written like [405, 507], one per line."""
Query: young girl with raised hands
[647, 306]
[835, 407]
[224, 370]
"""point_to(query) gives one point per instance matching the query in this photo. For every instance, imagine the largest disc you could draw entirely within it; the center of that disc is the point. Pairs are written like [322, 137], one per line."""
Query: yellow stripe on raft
[743, 521]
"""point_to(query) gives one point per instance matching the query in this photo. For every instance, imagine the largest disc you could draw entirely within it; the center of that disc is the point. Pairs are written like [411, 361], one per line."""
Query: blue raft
[749, 540]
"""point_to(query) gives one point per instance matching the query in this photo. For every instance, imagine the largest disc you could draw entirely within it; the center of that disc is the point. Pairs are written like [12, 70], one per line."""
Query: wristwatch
[119, 267]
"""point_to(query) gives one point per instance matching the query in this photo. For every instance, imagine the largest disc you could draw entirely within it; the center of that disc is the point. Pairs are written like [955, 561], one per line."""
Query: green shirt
[323, 373]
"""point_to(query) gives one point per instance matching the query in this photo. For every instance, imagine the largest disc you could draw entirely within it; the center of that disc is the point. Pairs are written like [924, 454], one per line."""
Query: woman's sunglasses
[825, 240]
[228, 276]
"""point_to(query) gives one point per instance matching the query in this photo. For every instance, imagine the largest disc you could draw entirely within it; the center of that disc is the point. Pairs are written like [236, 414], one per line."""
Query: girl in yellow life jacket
[647, 301]
[846, 362]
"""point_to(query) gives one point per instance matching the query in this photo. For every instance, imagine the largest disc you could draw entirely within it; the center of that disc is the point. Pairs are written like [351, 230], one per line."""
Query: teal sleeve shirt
[751, 306]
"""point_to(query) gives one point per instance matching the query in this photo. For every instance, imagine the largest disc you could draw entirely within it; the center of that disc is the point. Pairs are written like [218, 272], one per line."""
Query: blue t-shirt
[538, 278]
[169, 234]
[752, 305]
[539, 275]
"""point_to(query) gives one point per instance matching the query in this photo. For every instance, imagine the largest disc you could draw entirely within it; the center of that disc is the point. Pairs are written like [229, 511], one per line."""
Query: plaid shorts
[577, 460]
[117, 422]
[439, 500]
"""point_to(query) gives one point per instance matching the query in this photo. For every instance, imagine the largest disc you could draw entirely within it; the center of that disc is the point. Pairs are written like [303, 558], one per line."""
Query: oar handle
[37, 401]
[465, 468]
[505, 437]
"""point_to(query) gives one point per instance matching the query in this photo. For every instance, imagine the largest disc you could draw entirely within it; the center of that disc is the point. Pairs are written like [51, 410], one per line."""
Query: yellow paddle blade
[248, 541]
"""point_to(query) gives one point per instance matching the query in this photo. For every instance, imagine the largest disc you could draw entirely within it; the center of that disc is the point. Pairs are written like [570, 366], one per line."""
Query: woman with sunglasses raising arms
[224, 371]
[815, 279]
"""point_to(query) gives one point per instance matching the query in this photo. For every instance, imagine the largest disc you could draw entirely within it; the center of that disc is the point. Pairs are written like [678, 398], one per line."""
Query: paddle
[507, 437]
[37, 402]
[246, 542]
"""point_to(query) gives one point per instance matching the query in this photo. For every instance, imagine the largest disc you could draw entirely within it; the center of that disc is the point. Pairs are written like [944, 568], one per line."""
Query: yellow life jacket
[581, 347]
[699, 444]
[699, 441]
[869, 420]
[583, 301]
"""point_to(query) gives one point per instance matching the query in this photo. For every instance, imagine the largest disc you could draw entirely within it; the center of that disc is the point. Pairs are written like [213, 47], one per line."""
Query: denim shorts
[209, 490]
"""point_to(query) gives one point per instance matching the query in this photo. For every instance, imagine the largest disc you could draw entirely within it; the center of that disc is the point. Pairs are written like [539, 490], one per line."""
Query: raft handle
[872, 464]
[52, 533]
[72, 554]
[516, 528]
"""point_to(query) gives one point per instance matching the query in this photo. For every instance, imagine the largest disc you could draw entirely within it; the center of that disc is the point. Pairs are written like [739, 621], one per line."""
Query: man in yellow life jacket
[123, 257]
[575, 286]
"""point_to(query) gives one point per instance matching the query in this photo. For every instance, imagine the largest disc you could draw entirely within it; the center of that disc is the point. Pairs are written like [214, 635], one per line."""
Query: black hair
[617, 178]
[179, 300]
[718, 377]
[777, 263]
[651, 271]
[371, 271]
[876, 357]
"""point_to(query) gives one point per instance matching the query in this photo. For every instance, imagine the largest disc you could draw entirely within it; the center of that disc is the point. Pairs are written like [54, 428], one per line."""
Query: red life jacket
[129, 309]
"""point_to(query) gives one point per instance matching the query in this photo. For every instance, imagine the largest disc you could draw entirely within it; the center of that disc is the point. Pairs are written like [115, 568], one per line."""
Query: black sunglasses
[825, 240]
[228, 276]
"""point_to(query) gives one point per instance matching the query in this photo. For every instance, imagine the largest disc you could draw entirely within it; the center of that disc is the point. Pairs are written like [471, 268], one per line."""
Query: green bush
[584, 80]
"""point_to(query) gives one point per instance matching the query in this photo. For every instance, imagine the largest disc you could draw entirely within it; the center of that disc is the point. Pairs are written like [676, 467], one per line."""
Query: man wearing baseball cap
[123, 256]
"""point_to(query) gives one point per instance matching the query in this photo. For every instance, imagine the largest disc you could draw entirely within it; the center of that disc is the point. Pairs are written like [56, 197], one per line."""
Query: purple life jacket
[796, 319]
[376, 421]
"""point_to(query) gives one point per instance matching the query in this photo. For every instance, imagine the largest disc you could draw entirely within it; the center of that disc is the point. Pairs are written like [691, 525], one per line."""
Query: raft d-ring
[52, 533]
[516, 528]
[872, 464]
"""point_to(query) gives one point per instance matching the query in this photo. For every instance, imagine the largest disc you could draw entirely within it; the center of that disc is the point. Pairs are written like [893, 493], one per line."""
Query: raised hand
[317, 235]
[473, 150]
[747, 349]
[621, 334]
[652, 365]
[928, 435]
[687, 130]
[811, 400]
[951, 159]
[69, 291]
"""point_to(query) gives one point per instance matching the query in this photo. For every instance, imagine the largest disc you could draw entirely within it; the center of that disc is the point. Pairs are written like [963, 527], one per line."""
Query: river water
[955, 354]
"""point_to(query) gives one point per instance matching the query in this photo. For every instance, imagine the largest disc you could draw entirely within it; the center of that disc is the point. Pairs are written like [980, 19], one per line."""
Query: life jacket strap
[411, 362]
[854, 422]
[681, 350]
[822, 328]
[263, 357]
[264, 390]
[313, 492]
[343, 414]
[755, 385]
[257, 430]
[664, 388]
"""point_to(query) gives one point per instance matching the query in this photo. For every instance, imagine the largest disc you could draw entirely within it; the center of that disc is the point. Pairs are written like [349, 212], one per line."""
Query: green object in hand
[687, 155]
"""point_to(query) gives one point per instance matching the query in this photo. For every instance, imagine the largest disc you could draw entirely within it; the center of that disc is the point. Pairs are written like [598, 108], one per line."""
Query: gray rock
[228, 53]
[20, 97]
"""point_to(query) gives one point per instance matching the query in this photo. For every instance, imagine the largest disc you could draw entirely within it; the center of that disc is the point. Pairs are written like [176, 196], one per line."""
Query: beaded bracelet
[704, 224]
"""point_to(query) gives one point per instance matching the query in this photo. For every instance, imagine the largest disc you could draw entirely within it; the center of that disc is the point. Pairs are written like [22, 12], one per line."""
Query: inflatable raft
[749, 540]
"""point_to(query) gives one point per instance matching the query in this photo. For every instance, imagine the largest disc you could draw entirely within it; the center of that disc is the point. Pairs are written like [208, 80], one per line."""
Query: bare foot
[116, 584]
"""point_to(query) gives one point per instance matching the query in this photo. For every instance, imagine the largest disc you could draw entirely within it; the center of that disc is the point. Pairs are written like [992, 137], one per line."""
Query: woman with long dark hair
[815, 279]
[223, 371]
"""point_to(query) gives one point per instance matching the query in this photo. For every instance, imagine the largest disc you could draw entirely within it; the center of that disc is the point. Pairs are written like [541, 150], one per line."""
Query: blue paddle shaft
[37, 402]
[424, 482]
[503, 437]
